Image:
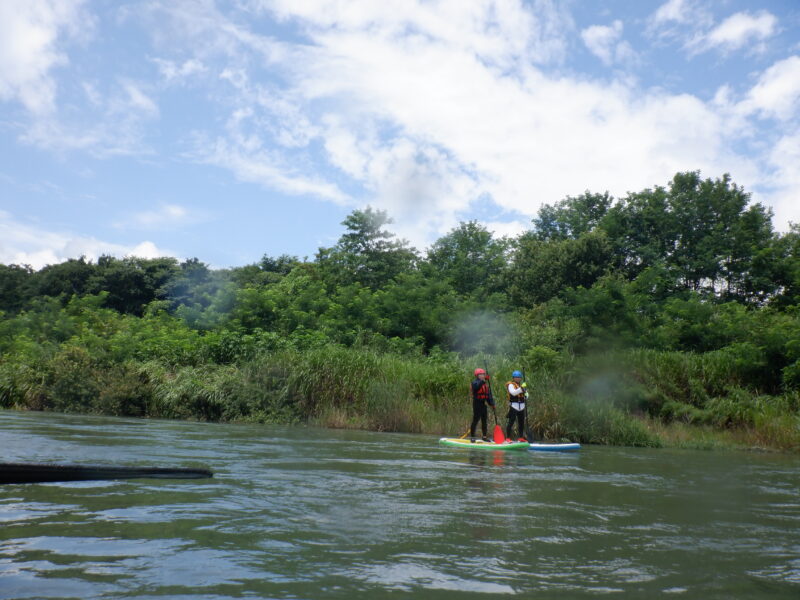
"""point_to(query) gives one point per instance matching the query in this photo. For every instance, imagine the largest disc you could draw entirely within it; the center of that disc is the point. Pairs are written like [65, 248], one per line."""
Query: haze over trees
[677, 282]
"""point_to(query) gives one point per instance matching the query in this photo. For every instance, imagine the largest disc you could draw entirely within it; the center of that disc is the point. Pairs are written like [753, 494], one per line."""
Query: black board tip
[45, 472]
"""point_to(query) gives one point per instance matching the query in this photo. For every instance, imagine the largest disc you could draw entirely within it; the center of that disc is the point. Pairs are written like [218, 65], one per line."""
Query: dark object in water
[41, 473]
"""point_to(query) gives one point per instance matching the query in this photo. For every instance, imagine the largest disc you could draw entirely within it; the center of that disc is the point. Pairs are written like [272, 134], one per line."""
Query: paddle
[498, 435]
[528, 432]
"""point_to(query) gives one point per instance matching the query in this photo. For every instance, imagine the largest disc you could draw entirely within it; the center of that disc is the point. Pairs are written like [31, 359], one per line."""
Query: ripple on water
[302, 513]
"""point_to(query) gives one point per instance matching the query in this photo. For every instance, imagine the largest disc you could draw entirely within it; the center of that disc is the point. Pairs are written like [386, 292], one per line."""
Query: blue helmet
[516, 374]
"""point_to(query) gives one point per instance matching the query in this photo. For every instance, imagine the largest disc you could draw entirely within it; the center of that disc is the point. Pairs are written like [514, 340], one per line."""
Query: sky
[230, 129]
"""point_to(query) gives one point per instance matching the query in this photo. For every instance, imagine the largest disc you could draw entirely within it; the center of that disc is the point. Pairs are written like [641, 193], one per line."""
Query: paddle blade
[499, 437]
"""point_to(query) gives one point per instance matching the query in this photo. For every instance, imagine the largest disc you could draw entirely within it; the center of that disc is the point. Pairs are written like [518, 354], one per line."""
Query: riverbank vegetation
[666, 317]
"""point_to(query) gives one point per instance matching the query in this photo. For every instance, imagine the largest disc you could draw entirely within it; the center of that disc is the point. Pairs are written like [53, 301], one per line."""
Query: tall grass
[635, 397]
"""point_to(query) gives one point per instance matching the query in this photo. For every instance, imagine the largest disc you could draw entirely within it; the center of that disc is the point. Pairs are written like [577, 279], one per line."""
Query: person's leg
[476, 415]
[483, 419]
[521, 423]
[510, 422]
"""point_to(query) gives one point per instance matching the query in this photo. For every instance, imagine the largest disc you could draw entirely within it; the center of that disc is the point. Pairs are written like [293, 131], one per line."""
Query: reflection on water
[307, 513]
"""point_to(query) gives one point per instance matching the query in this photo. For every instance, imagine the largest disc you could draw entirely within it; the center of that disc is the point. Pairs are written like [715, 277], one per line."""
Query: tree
[282, 264]
[64, 279]
[132, 282]
[191, 284]
[416, 307]
[15, 287]
[470, 259]
[774, 276]
[702, 231]
[367, 253]
[641, 230]
[572, 217]
[542, 270]
[266, 271]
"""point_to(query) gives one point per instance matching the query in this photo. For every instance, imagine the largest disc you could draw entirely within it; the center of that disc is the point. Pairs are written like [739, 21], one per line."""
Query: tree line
[693, 267]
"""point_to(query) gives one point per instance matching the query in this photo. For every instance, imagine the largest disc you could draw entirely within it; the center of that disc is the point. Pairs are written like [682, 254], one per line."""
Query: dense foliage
[677, 304]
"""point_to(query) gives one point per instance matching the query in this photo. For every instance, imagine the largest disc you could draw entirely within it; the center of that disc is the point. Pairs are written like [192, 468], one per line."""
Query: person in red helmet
[481, 396]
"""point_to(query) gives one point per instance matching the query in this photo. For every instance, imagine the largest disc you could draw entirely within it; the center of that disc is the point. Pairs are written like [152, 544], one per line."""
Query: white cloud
[679, 19]
[693, 26]
[168, 213]
[428, 108]
[675, 10]
[112, 125]
[521, 137]
[604, 42]
[171, 71]
[740, 28]
[777, 92]
[29, 48]
[167, 216]
[22, 244]
[34, 37]
[267, 168]
[683, 22]
[783, 184]
[434, 107]
[499, 31]
[136, 100]
[511, 229]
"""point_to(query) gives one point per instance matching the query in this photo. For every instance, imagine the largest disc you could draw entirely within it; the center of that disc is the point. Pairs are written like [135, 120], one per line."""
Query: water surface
[317, 514]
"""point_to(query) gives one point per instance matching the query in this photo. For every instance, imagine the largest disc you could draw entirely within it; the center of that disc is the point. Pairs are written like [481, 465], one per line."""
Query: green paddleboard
[481, 445]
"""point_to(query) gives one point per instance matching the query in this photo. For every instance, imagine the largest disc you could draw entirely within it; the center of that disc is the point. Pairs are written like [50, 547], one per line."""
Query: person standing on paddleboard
[481, 396]
[516, 405]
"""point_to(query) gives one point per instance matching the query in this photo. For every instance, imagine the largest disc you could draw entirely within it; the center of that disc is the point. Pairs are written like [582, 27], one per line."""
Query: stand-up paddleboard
[481, 445]
[42, 473]
[544, 447]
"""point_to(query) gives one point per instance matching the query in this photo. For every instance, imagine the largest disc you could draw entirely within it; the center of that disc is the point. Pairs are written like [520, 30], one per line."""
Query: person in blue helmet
[517, 394]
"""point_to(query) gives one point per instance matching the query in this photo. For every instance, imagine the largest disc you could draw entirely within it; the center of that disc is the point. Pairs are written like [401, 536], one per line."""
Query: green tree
[132, 282]
[716, 233]
[572, 217]
[470, 259]
[542, 270]
[64, 279]
[775, 273]
[701, 230]
[642, 231]
[15, 287]
[366, 254]
[416, 307]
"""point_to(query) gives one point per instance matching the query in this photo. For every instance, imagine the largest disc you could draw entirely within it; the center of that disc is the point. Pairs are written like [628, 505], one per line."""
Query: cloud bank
[436, 111]
[25, 244]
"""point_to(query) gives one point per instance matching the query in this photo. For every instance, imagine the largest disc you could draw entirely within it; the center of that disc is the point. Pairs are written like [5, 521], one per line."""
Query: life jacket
[482, 393]
[519, 398]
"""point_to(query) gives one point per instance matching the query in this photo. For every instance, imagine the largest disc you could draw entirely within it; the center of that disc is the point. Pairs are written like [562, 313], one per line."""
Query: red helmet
[479, 372]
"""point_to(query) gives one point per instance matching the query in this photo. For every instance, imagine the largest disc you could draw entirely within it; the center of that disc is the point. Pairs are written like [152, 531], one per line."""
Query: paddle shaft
[528, 432]
[498, 435]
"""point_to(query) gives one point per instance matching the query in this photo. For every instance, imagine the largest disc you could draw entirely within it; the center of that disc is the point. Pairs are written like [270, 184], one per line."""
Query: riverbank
[627, 398]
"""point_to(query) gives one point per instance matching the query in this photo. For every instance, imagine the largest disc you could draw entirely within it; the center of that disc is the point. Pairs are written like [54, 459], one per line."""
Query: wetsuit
[481, 396]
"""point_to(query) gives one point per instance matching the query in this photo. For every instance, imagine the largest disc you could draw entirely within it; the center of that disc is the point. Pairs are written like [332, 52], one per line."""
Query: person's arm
[476, 385]
[515, 390]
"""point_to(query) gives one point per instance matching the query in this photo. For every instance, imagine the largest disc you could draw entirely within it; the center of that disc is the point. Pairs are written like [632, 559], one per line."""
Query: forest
[667, 317]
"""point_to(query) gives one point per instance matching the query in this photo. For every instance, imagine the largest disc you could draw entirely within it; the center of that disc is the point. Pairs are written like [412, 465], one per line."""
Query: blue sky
[230, 129]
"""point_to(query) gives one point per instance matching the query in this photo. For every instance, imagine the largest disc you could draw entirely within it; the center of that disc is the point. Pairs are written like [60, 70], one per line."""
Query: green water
[316, 514]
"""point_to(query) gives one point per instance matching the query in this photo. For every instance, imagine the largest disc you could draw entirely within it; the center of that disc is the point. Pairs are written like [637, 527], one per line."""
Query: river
[305, 513]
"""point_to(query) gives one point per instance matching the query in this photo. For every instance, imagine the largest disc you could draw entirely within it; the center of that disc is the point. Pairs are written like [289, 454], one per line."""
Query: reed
[634, 398]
